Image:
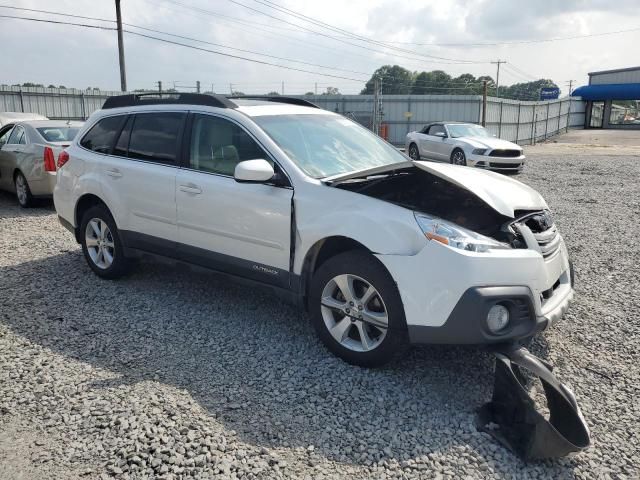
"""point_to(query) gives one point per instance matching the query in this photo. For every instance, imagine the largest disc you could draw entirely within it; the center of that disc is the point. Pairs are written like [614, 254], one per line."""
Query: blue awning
[611, 91]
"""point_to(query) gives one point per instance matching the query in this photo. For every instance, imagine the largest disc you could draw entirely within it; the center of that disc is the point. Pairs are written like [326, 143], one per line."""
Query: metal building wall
[631, 75]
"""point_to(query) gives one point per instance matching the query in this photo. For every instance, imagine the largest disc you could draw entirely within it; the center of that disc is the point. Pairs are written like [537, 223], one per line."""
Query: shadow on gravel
[251, 361]
[9, 207]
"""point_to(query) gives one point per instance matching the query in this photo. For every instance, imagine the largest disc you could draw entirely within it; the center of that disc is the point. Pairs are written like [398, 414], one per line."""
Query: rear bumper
[43, 187]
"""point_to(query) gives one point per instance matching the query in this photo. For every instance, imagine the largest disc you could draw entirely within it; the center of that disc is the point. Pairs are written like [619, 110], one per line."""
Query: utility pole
[283, 88]
[160, 87]
[484, 103]
[197, 86]
[570, 83]
[123, 75]
[498, 62]
[316, 89]
[231, 88]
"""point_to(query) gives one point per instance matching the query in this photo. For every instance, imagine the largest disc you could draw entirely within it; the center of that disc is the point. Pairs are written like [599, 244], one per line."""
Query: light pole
[123, 75]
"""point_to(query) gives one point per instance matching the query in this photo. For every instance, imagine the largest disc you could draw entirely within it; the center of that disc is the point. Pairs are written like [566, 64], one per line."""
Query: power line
[238, 57]
[59, 22]
[56, 13]
[517, 42]
[286, 11]
[315, 32]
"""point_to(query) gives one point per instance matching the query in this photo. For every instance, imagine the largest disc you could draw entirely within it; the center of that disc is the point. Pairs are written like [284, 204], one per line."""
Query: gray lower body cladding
[467, 322]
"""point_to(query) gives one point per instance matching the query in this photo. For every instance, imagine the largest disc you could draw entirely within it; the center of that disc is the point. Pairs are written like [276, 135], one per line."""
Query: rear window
[58, 134]
[154, 136]
[103, 134]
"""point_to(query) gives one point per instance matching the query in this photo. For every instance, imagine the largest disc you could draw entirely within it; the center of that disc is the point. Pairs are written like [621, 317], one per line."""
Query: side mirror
[441, 135]
[256, 171]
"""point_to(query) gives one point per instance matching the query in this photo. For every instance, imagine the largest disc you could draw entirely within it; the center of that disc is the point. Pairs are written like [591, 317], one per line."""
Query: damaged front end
[514, 419]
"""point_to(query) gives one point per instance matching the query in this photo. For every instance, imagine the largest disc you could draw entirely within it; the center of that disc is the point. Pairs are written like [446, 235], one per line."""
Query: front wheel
[414, 153]
[357, 311]
[458, 157]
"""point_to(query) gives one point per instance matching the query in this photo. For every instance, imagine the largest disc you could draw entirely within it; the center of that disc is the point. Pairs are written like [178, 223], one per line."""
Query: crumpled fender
[511, 416]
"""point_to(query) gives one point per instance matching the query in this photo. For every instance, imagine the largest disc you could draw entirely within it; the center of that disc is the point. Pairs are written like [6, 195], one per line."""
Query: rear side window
[103, 134]
[122, 146]
[17, 136]
[155, 136]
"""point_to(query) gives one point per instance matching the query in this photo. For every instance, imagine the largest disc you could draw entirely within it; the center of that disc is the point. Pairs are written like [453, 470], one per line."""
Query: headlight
[479, 151]
[456, 236]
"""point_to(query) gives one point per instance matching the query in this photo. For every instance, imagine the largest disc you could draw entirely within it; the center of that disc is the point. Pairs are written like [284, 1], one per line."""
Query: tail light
[49, 160]
[62, 158]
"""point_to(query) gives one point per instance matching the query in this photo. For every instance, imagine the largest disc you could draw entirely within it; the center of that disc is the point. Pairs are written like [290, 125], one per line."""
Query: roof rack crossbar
[277, 98]
[157, 98]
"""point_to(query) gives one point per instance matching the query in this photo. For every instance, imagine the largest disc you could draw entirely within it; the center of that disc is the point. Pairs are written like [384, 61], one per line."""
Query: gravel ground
[172, 372]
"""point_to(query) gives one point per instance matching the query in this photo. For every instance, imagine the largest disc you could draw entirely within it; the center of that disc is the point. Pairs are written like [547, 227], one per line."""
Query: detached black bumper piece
[511, 416]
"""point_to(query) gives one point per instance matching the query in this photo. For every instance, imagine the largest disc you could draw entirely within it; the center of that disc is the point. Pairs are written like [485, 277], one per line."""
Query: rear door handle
[114, 172]
[190, 188]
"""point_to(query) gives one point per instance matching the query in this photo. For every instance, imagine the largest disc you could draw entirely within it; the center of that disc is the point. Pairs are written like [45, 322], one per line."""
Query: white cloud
[79, 57]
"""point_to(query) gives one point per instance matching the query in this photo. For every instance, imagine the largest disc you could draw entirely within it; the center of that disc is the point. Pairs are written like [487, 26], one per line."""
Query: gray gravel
[172, 373]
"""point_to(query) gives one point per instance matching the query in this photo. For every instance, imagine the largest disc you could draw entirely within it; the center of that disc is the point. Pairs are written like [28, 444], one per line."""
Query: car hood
[503, 194]
[489, 142]
[500, 192]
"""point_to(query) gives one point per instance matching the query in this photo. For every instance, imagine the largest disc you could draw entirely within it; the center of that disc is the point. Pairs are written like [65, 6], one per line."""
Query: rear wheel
[458, 157]
[23, 192]
[101, 243]
[357, 311]
[414, 153]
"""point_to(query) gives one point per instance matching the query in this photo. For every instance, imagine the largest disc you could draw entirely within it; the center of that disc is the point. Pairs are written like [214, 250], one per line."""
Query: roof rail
[277, 98]
[157, 98]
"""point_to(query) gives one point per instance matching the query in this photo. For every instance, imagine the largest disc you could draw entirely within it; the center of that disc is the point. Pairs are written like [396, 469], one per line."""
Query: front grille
[539, 228]
[504, 165]
[505, 153]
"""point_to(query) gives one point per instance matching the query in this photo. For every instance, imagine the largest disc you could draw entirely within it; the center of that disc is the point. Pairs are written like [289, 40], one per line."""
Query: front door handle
[191, 188]
[114, 172]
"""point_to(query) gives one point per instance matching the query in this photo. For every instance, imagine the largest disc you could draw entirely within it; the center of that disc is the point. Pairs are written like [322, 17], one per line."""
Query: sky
[449, 35]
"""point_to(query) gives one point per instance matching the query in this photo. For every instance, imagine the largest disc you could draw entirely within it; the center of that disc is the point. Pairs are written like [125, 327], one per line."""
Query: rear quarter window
[101, 137]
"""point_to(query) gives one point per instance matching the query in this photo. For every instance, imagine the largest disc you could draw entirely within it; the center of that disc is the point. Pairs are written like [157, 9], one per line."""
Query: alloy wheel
[413, 153]
[354, 313]
[21, 189]
[458, 158]
[99, 242]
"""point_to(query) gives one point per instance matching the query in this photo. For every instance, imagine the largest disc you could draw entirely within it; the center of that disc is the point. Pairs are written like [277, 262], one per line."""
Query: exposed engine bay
[422, 191]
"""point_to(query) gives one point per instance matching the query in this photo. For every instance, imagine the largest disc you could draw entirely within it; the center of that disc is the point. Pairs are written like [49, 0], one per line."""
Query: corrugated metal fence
[523, 122]
[517, 121]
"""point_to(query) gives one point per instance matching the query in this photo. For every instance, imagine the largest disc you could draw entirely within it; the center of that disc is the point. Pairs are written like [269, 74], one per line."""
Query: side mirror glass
[256, 171]
[441, 135]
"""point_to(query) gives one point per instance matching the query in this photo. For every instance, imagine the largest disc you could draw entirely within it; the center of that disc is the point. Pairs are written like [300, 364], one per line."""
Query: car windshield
[326, 145]
[58, 134]
[461, 130]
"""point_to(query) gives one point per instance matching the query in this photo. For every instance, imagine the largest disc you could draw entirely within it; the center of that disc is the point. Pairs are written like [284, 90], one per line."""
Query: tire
[23, 192]
[104, 244]
[358, 342]
[458, 157]
[414, 153]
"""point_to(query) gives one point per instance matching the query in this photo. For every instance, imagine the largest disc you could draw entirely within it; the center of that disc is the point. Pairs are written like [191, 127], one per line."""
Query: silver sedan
[28, 156]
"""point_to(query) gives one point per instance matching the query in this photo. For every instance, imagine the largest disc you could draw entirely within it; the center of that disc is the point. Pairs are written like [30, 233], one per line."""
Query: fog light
[497, 318]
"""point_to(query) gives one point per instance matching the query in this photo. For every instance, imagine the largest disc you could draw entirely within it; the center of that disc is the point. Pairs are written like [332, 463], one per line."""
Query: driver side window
[435, 129]
[218, 145]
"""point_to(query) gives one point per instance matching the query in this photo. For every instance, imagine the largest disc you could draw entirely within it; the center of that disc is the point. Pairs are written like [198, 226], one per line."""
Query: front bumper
[506, 164]
[447, 292]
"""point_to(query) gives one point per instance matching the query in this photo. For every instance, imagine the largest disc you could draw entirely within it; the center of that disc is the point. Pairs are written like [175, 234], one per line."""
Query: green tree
[395, 80]
[309, 94]
[526, 90]
[273, 93]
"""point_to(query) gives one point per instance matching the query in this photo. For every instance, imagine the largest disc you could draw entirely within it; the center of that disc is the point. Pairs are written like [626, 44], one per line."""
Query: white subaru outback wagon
[382, 251]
